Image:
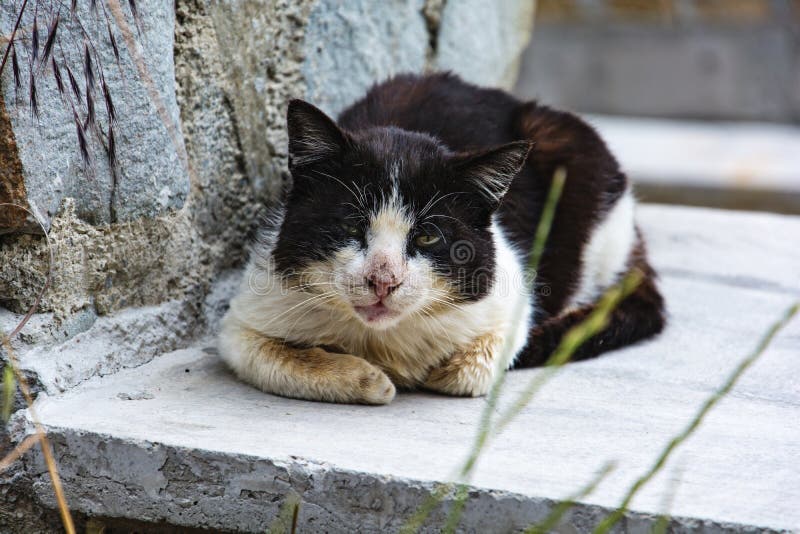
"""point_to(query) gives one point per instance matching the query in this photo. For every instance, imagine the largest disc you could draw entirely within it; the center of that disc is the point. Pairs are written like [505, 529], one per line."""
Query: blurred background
[699, 99]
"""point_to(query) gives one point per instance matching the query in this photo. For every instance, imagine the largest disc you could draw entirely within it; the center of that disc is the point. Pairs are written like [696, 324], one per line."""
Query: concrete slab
[181, 440]
[732, 165]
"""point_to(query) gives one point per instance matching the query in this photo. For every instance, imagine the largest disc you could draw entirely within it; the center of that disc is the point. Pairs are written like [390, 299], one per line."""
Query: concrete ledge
[180, 440]
[730, 165]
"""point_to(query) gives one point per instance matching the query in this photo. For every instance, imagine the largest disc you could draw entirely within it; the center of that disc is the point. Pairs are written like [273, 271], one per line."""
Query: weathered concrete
[731, 165]
[181, 440]
[87, 345]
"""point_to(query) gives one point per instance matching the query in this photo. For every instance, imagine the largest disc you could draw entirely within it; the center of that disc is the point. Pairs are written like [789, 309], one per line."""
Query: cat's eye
[351, 230]
[427, 240]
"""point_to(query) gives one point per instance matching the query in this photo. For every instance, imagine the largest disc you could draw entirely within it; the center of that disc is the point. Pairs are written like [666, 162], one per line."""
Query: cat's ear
[492, 171]
[313, 136]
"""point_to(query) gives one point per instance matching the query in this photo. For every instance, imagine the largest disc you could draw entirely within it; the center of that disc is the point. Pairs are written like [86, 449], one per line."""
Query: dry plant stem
[542, 231]
[41, 436]
[155, 96]
[415, 522]
[573, 339]
[18, 451]
[9, 387]
[554, 518]
[454, 517]
[662, 523]
[719, 394]
[288, 514]
[48, 278]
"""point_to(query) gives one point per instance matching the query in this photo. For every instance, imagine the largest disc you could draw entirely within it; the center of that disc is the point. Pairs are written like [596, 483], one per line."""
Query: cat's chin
[377, 315]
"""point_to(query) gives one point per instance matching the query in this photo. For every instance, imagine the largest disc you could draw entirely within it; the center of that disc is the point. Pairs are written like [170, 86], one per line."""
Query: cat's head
[385, 223]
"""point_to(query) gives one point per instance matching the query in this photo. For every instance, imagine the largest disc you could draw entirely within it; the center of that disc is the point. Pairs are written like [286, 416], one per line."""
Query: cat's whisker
[432, 204]
[307, 301]
[449, 304]
[437, 229]
[440, 215]
[349, 189]
[305, 313]
[438, 322]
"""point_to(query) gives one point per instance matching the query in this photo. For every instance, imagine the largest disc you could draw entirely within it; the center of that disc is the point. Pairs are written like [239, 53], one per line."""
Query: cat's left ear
[492, 171]
[313, 136]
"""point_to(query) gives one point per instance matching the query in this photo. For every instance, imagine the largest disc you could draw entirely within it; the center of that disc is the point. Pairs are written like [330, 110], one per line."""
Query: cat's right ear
[313, 136]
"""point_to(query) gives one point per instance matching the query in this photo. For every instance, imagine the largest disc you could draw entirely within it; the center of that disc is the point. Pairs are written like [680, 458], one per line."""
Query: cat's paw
[463, 375]
[374, 387]
[470, 371]
[347, 378]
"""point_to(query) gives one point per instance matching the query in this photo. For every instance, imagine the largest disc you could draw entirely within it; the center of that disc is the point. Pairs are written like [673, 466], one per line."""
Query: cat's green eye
[351, 230]
[427, 240]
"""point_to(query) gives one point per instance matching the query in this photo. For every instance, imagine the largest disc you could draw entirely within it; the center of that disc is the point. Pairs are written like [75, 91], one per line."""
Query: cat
[399, 253]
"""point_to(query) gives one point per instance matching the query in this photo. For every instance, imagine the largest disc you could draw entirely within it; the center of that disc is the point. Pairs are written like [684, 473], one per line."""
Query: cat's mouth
[375, 313]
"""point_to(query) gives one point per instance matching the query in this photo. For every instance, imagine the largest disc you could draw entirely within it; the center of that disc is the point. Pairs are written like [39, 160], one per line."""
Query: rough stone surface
[107, 267]
[351, 45]
[12, 181]
[483, 39]
[200, 448]
[258, 48]
[151, 179]
[740, 165]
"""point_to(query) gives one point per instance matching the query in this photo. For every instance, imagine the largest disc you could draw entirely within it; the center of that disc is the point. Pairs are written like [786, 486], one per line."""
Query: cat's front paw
[374, 387]
[468, 372]
[462, 376]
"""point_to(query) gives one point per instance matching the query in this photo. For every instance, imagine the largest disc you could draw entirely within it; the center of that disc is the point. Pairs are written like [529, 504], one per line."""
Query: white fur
[406, 348]
[510, 291]
[606, 255]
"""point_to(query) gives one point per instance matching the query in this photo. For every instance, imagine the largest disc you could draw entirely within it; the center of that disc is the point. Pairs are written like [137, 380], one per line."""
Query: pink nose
[382, 284]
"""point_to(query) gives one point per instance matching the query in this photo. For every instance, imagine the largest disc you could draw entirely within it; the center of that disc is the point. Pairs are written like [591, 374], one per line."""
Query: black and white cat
[399, 254]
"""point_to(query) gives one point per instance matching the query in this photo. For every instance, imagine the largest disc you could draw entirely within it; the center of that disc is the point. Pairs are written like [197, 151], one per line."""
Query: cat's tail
[639, 316]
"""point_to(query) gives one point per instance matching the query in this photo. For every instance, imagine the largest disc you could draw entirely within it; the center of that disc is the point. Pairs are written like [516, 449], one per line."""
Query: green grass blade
[419, 517]
[613, 518]
[484, 425]
[572, 340]
[9, 387]
[551, 521]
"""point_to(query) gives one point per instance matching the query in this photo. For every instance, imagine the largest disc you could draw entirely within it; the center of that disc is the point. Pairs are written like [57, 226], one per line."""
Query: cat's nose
[383, 284]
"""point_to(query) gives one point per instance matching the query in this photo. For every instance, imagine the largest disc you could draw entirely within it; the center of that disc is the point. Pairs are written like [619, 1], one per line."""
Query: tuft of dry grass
[52, 31]
[50, 58]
